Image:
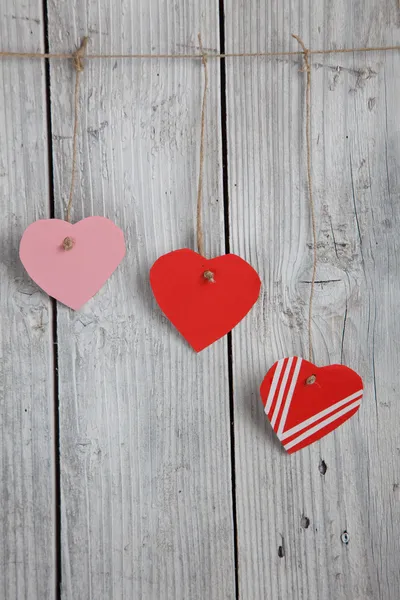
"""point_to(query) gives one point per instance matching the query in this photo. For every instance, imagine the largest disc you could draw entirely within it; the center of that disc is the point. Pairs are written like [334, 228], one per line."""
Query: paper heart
[203, 310]
[75, 274]
[300, 411]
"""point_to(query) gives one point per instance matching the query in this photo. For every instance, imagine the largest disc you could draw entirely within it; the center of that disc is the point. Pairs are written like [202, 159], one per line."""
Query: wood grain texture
[144, 422]
[291, 513]
[27, 557]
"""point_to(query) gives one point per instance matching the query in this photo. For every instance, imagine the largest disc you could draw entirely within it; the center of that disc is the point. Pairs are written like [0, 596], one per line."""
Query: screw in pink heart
[72, 262]
[209, 297]
[302, 401]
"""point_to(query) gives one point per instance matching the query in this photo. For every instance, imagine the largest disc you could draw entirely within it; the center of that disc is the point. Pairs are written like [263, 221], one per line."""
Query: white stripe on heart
[318, 416]
[274, 384]
[290, 395]
[321, 425]
[281, 391]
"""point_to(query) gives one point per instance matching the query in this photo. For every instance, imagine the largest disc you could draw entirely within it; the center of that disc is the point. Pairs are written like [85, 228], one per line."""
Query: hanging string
[307, 69]
[200, 235]
[64, 55]
[79, 66]
[77, 58]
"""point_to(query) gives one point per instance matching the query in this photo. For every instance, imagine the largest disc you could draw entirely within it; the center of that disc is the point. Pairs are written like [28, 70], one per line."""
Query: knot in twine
[306, 53]
[79, 55]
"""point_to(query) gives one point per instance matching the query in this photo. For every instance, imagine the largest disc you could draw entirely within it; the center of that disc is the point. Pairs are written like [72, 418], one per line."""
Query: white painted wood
[27, 558]
[145, 450]
[145, 443]
[356, 147]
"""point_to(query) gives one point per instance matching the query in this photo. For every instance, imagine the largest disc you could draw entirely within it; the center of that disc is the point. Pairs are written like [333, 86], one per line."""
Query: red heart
[203, 310]
[304, 402]
[72, 272]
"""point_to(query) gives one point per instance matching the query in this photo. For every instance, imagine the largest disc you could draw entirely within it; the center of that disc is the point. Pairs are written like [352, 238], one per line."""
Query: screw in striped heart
[304, 402]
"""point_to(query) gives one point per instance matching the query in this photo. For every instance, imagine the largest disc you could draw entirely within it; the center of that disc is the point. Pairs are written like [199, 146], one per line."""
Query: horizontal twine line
[210, 55]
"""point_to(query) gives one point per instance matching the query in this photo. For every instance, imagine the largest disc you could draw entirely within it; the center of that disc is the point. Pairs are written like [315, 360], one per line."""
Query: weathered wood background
[131, 467]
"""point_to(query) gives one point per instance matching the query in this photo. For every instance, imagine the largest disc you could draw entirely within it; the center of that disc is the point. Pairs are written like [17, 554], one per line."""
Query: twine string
[307, 69]
[200, 234]
[212, 55]
[77, 57]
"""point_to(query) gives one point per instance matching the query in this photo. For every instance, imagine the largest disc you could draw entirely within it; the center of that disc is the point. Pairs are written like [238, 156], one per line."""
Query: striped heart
[304, 402]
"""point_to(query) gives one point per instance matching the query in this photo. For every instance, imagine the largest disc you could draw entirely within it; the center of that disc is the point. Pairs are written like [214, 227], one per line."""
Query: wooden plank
[291, 513]
[27, 554]
[144, 422]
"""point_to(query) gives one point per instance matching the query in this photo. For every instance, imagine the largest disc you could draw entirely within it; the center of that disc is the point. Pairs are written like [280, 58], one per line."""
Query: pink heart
[75, 274]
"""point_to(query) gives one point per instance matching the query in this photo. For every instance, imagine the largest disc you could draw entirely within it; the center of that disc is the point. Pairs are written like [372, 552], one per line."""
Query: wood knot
[310, 380]
[209, 275]
[345, 537]
[68, 243]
